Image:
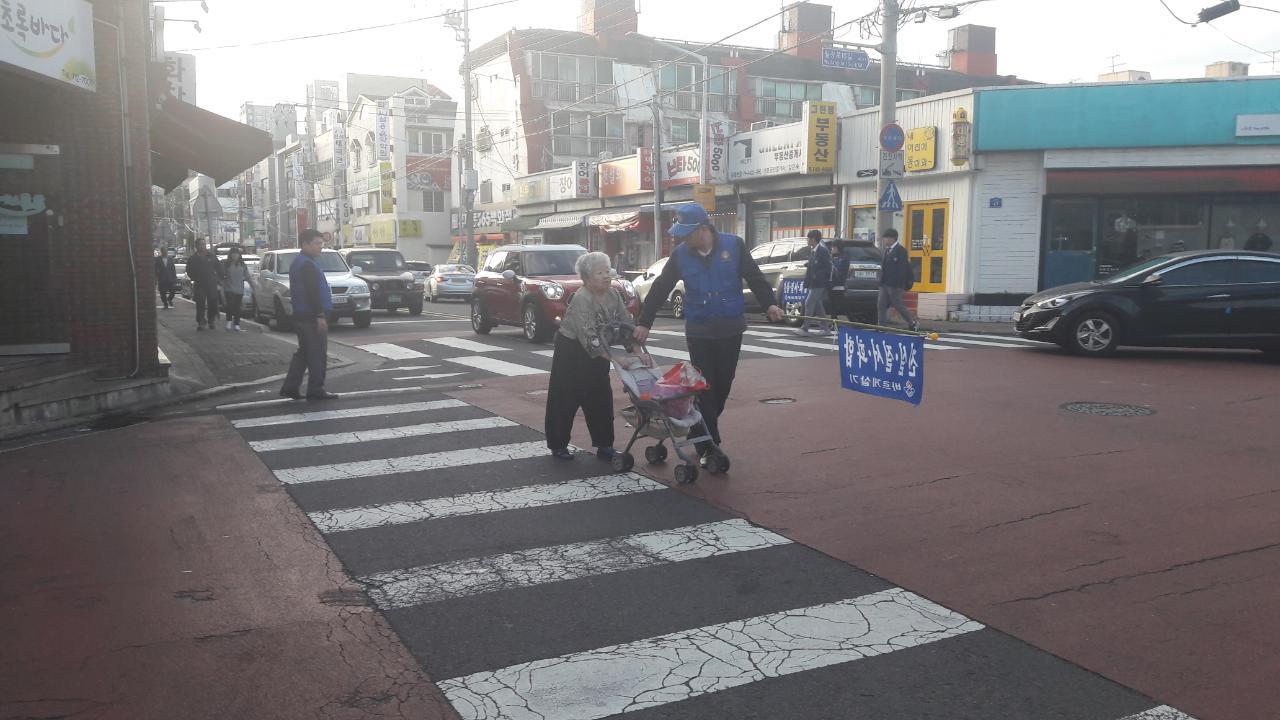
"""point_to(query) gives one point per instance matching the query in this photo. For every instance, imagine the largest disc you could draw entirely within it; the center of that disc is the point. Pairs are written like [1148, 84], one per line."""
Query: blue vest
[302, 307]
[712, 289]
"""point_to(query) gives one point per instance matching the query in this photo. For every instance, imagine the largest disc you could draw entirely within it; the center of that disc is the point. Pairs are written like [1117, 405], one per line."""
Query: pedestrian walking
[895, 279]
[203, 270]
[235, 273]
[713, 266]
[312, 303]
[817, 278]
[166, 277]
[580, 363]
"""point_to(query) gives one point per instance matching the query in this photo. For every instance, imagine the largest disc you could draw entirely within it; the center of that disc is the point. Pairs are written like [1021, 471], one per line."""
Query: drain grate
[778, 401]
[1108, 409]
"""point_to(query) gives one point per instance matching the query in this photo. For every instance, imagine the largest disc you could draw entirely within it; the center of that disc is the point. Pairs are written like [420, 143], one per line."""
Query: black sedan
[1223, 299]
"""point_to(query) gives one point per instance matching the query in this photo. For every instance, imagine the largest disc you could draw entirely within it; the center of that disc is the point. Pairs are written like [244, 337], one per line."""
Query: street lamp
[704, 125]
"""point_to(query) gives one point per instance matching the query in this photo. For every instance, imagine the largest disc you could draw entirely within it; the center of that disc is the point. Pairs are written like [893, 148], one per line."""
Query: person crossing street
[312, 304]
[713, 266]
[817, 279]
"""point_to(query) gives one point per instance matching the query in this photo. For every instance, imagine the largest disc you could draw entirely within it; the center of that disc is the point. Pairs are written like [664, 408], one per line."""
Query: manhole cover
[778, 401]
[1108, 409]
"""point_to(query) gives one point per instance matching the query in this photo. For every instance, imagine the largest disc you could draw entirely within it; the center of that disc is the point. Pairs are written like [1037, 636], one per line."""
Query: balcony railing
[556, 91]
[586, 147]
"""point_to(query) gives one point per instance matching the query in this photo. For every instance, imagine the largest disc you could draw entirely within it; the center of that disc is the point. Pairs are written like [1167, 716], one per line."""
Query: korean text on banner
[882, 364]
[382, 129]
[820, 119]
[52, 38]
[792, 291]
[386, 193]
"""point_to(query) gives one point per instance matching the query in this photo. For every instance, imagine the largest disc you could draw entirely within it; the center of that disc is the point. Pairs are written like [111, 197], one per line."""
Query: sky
[1055, 41]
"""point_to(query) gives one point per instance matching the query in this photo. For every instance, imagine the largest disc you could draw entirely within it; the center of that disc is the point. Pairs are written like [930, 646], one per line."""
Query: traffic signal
[1223, 8]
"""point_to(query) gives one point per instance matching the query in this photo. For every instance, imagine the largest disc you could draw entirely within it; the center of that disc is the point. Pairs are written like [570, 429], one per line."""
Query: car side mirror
[357, 269]
[1152, 281]
[509, 275]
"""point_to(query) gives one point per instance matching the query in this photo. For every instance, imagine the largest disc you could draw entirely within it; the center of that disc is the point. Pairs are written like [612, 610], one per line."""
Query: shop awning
[562, 220]
[184, 137]
[616, 220]
[523, 222]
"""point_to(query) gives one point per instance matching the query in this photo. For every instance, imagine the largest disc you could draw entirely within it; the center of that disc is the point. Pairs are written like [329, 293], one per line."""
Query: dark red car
[529, 286]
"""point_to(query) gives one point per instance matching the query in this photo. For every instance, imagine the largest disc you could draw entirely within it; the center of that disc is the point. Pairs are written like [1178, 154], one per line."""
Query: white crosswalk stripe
[1163, 712]
[999, 338]
[498, 367]
[428, 376]
[393, 433]
[410, 463]
[391, 351]
[347, 413]
[774, 351]
[982, 343]
[458, 343]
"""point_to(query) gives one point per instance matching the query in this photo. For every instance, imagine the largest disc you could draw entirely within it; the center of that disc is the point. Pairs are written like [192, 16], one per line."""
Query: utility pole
[468, 162]
[657, 176]
[888, 98]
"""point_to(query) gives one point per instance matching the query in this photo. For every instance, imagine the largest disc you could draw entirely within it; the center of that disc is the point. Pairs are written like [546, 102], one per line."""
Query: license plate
[393, 298]
[1017, 316]
[339, 299]
[865, 274]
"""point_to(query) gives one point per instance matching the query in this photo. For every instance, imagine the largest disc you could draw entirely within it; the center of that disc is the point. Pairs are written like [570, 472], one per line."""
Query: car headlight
[375, 286]
[1054, 303]
[408, 285]
[628, 289]
[552, 291]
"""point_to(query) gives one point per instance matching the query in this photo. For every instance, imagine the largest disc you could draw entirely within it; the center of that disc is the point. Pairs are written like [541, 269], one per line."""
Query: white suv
[270, 285]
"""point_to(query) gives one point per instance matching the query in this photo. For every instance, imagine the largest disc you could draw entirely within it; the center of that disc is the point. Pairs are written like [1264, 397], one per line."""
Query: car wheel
[284, 323]
[255, 312]
[432, 296]
[415, 309]
[1094, 333]
[362, 319]
[480, 322]
[677, 305]
[536, 329]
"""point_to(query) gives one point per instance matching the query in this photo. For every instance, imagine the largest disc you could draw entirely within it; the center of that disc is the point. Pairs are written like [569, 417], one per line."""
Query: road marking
[799, 343]
[775, 351]
[347, 413]
[545, 353]
[411, 463]
[402, 368]
[683, 665]
[345, 395]
[479, 503]
[435, 376]
[561, 563]
[465, 344]
[404, 431]
[932, 346]
[672, 333]
[1163, 712]
[501, 367]
[391, 351]
[422, 320]
[1001, 338]
[985, 343]
[667, 352]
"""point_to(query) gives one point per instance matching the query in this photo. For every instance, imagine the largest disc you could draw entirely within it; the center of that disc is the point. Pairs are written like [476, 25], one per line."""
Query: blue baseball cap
[688, 217]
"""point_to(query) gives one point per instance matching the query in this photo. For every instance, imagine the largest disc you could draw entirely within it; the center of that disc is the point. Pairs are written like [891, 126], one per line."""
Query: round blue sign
[892, 138]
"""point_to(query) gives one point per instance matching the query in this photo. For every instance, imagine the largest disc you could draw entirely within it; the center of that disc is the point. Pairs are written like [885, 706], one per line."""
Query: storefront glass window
[791, 217]
[1135, 229]
[1245, 226]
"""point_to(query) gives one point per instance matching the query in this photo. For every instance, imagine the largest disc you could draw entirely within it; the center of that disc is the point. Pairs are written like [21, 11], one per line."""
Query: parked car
[856, 296]
[269, 298]
[420, 269]
[391, 284]
[451, 281]
[1192, 299]
[675, 301]
[529, 286]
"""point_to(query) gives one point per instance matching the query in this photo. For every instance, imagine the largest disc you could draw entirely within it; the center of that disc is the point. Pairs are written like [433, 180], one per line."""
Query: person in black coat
[895, 279]
[816, 281]
[166, 278]
[206, 286]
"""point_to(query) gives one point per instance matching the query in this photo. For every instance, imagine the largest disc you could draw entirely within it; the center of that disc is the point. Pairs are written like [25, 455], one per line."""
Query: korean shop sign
[820, 148]
[922, 149]
[52, 38]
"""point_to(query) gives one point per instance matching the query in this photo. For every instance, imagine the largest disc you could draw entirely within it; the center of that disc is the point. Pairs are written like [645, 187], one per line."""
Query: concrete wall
[1005, 253]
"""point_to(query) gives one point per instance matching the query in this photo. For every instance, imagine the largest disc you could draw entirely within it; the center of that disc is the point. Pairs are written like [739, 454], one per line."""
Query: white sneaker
[228, 325]
[238, 328]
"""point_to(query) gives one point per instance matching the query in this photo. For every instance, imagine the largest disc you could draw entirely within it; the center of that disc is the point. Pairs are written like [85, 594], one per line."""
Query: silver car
[451, 281]
[270, 285]
[675, 301]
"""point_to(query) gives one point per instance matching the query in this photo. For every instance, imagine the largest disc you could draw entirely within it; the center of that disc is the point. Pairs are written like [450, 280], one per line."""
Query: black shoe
[606, 453]
[562, 454]
[291, 395]
[199, 328]
[322, 395]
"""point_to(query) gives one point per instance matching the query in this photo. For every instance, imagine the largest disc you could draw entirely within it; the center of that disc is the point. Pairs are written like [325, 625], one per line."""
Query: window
[374, 202]
[683, 131]
[377, 261]
[783, 98]
[428, 142]
[683, 83]
[495, 261]
[1257, 271]
[1212, 272]
[568, 78]
[551, 262]
[800, 252]
[866, 96]
[1137, 228]
[760, 252]
[908, 95]
[583, 135]
[373, 155]
[781, 254]
[431, 201]
[356, 155]
[486, 191]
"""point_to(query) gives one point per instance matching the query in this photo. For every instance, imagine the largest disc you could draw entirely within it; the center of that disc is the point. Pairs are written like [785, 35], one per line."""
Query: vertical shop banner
[340, 147]
[882, 364]
[53, 38]
[382, 131]
[820, 148]
[386, 193]
[180, 70]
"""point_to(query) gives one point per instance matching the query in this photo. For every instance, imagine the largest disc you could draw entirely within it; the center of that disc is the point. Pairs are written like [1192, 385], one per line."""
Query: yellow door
[927, 245]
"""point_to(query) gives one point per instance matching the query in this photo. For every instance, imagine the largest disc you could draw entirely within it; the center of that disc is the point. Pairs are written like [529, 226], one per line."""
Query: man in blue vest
[713, 266]
[312, 304]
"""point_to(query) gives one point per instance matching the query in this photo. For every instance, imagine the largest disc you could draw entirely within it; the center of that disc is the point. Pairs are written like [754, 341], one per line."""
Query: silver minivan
[270, 285]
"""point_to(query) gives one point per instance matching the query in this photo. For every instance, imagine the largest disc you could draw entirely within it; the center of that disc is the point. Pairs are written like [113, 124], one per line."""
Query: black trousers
[310, 358]
[207, 298]
[717, 360]
[233, 306]
[578, 381]
[166, 294]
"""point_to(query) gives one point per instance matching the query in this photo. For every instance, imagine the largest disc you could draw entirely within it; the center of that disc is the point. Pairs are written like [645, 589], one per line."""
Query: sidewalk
[161, 571]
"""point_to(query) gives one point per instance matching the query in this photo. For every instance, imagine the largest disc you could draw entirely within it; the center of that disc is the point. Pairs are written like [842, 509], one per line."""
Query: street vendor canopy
[184, 138]
[562, 220]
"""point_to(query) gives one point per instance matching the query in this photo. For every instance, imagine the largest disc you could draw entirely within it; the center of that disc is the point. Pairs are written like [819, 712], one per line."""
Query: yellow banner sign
[705, 195]
[387, 191]
[411, 228]
[382, 232]
[820, 119]
[922, 149]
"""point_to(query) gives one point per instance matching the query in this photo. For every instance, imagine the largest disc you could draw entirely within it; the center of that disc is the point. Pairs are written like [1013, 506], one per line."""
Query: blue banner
[882, 364]
[793, 290]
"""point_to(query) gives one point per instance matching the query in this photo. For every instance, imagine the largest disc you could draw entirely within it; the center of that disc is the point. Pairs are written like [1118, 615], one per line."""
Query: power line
[1246, 47]
[1175, 15]
[1259, 7]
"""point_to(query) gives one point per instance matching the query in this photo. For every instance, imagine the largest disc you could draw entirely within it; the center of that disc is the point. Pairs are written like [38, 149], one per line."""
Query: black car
[856, 296]
[1228, 299]
[392, 285]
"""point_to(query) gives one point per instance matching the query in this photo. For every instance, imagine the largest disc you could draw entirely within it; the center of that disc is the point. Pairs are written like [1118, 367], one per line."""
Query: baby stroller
[658, 409]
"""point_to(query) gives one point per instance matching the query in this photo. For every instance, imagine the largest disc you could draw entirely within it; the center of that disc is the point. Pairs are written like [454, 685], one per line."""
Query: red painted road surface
[1143, 548]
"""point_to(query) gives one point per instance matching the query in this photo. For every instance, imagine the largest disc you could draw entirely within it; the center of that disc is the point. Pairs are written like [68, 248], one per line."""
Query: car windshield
[860, 253]
[1137, 270]
[550, 262]
[377, 261]
[467, 269]
[330, 262]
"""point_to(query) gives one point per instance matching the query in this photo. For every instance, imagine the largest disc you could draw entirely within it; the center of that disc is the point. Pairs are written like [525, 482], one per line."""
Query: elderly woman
[580, 365]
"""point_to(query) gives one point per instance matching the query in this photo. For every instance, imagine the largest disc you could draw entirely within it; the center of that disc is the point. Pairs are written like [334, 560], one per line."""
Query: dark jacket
[203, 270]
[166, 273]
[839, 268]
[818, 270]
[309, 289]
[748, 270]
[895, 270]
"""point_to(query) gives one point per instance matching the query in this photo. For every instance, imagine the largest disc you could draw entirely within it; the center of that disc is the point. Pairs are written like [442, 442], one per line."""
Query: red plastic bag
[681, 378]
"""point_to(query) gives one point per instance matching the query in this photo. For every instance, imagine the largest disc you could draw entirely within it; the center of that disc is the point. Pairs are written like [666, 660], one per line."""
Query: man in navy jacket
[895, 279]
[817, 279]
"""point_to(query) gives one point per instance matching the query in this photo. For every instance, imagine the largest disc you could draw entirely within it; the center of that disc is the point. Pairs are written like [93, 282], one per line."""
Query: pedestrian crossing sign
[891, 201]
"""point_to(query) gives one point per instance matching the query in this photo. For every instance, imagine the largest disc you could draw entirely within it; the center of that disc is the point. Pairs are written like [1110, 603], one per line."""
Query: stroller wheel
[686, 474]
[655, 454]
[622, 462]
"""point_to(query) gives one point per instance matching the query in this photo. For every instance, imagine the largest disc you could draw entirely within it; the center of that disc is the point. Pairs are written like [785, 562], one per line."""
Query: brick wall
[89, 292]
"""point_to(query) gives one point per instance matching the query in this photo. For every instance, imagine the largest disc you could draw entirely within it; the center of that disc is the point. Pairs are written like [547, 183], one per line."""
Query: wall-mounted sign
[718, 151]
[922, 149]
[411, 228]
[996, 203]
[428, 172]
[820, 120]
[571, 183]
[180, 69]
[382, 232]
[705, 195]
[53, 38]
[382, 131]
[15, 209]
[805, 147]
[961, 137]
[681, 166]
[1257, 125]
[340, 147]
[630, 175]
[530, 190]
[387, 189]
